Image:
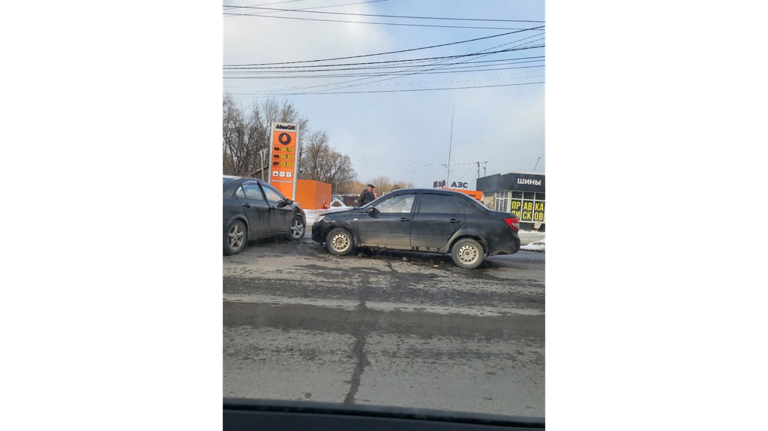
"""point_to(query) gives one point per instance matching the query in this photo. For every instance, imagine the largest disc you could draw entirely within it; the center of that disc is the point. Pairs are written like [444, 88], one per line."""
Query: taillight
[513, 223]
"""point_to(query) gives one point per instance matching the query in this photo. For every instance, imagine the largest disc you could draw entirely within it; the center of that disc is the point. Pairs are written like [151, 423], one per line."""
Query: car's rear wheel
[467, 253]
[339, 242]
[234, 238]
[297, 229]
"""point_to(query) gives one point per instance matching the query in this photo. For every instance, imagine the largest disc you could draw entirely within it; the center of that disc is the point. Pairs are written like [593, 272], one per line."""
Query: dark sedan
[424, 220]
[254, 209]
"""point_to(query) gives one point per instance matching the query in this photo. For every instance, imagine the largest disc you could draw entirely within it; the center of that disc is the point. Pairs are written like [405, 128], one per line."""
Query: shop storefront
[516, 192]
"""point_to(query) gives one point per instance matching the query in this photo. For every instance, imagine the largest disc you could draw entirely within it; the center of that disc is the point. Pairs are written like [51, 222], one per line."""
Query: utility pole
[478, 169]
[484, 166]
[450, 144]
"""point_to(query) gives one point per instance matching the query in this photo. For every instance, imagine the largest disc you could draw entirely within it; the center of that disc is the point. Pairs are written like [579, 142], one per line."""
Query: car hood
[348, 211]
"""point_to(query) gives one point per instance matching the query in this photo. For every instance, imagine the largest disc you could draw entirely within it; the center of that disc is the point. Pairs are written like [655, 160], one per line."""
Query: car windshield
[427, 289]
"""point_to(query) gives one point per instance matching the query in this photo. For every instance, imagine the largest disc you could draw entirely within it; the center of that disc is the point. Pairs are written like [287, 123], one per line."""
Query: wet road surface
[388, 328]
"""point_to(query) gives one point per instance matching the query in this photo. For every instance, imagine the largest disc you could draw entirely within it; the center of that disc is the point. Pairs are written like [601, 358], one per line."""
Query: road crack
[358, 350]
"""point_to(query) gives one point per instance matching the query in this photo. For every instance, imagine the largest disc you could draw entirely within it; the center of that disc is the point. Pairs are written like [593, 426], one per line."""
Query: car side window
[240, 193]
[273, 196]
[439, 204]
[252, 191]
[467, 205]
[397, 204]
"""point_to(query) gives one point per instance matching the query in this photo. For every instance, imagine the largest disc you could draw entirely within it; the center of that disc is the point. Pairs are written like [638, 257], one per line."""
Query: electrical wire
[258, 70]
[388, 91]
[425, 83]
[383, 16]
[376, 23]
[418, 69]
[426, 59]
[384, 53]
[457, 69]
[297, 10]
[381, 162]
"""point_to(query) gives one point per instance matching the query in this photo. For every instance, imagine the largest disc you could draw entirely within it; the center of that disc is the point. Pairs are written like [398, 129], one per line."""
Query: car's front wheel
[339, 242]
[234, 238]
[297, 229]
[467, 253]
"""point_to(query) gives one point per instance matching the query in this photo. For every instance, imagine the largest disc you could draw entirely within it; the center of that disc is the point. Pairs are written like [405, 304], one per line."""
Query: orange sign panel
[283, 157]
[473, 193]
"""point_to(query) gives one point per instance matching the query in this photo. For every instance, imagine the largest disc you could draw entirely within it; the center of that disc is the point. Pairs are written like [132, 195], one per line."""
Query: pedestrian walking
[367, 195]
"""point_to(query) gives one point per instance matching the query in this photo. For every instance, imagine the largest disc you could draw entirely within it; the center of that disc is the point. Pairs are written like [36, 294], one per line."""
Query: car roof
[436, 191]
[234, 177]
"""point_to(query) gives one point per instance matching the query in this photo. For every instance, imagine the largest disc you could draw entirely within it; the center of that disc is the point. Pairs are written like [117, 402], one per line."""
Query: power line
[424, 59]
[419, 172]
[392, 91]
[258, 70]
[386, 53]
[381, 162]
[458, 69]
[419, 69]
[440, 82]
[264, 4]
[383, 16]
[377, 23]
[302, 9]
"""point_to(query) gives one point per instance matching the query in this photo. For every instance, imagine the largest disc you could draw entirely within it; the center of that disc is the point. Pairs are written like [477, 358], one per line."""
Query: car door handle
[247, 205]
[453, 220]
[403, 219]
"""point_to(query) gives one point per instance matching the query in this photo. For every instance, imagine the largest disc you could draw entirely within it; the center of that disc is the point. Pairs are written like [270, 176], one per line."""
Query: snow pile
[538, 245]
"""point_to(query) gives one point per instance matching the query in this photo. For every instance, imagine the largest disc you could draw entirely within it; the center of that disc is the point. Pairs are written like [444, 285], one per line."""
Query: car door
[252, 198]
[388, 223]
[281, 216]
[437, 219]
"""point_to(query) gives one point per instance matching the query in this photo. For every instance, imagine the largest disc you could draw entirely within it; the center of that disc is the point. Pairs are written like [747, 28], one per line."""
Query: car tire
[297, 229]
[467, 253]
[235, 238]
[339, 242]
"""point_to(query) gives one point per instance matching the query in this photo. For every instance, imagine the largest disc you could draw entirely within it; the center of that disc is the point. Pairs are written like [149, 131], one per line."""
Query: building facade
[520, 193]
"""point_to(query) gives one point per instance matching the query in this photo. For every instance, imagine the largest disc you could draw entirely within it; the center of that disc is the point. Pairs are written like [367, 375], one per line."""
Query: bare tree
[381, 184]
[352, 188]
[320, 162]
[246, 132]
[234, 137]
[312, 157]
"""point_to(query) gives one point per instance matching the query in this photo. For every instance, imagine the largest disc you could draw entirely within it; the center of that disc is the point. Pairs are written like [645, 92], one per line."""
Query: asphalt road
[393, 328]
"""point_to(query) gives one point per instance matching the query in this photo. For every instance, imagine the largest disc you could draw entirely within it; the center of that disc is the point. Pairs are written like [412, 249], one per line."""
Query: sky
[408, 136]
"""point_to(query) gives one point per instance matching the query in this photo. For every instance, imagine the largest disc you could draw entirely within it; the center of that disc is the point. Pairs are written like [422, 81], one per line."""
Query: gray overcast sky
[390, 126]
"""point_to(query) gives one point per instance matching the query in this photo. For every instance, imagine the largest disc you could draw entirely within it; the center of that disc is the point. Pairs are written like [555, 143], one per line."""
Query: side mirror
[372, 211]
[284, 203]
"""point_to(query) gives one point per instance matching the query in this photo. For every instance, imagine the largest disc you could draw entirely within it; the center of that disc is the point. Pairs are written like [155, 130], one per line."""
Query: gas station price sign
[283, 158]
